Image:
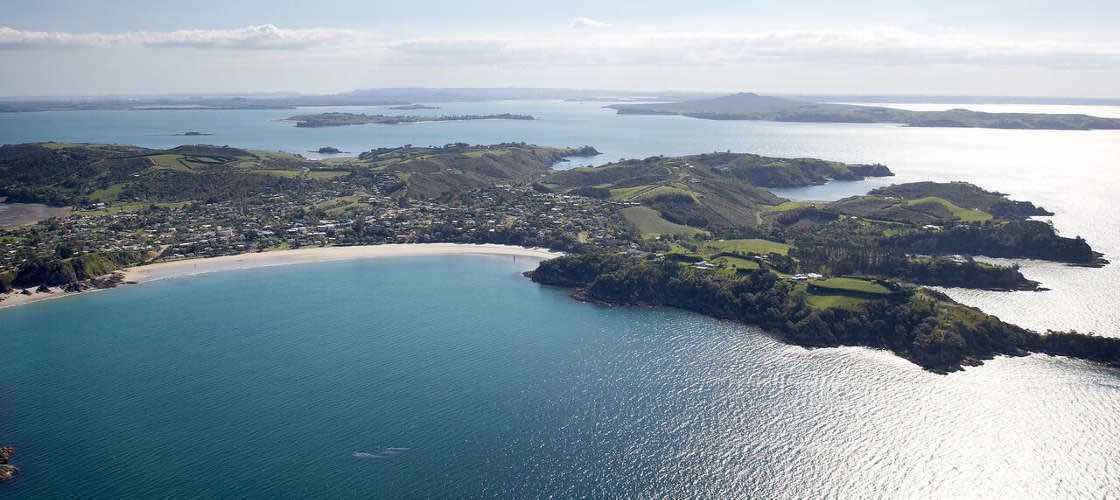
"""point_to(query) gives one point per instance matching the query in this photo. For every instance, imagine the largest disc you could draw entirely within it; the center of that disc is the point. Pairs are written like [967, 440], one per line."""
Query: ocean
[455, 376]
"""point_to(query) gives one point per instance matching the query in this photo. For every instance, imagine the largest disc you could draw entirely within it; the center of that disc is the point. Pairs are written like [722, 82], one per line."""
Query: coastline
[190, 267]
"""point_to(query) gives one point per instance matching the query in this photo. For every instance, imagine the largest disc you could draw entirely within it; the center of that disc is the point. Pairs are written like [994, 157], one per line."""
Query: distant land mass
[342, 119]
[749, 106]
[365, 97]
[412, 107]
[959, 99]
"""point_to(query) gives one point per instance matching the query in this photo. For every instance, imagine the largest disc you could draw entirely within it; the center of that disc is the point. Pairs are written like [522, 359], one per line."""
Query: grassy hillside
[963, 195]
[718, 192]
[69, 174]
[650, 224]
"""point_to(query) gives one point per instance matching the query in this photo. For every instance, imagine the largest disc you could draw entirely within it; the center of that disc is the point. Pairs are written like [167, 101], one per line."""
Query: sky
[948, 47]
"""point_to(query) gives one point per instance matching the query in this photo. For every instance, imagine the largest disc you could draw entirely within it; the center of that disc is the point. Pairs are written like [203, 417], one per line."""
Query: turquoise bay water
[267, 382]
[294, 381]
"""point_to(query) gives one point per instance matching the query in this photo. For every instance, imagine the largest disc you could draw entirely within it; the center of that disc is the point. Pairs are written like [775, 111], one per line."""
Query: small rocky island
[329, 150]
[342, 119]
[193, 133]
[7, 470]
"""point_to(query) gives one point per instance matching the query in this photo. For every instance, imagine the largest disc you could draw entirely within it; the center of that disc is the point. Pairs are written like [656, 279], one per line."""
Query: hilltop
[84, 174]
[716, 191]
[749, 106]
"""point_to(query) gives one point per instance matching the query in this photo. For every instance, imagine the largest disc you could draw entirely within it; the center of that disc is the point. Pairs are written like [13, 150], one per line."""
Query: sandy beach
[190, 267]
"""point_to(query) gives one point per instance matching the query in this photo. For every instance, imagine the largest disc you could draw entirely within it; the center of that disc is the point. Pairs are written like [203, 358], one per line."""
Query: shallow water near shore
[386, 378]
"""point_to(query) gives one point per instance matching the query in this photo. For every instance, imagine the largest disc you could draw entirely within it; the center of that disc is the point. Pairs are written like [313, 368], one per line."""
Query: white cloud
[588, 23]
[597, 47]
[881, 47]
[265, 36]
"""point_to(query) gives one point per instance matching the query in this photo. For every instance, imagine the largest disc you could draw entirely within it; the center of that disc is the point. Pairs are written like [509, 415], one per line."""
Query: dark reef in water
[7, 470]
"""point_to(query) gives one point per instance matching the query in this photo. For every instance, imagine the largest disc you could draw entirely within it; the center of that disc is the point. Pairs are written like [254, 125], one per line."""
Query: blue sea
[458, 377]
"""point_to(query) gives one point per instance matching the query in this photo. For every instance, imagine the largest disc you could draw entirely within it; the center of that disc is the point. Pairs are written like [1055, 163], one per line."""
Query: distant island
[193, 133]
[411, 107]
[699, 232]
[328, 150]
[748, 106]
[363, 97]
[342, 119]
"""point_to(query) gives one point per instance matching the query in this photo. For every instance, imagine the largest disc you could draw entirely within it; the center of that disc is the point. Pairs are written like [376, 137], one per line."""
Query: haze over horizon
[1002, 48]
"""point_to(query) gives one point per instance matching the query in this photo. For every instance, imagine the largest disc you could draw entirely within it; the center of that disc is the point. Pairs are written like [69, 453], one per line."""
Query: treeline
[37, 173]
[51, 270]
[210, 186]
[764, 171]
[1015, 239]
[965, 195]
[922, 326]
[871, 259]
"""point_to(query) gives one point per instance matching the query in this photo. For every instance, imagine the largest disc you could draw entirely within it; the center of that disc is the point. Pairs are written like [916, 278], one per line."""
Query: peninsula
[748, 106]
[341, 119]
[699, 232]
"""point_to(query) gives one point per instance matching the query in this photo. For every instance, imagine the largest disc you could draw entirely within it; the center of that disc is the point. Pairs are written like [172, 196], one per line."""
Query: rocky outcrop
[7, 470]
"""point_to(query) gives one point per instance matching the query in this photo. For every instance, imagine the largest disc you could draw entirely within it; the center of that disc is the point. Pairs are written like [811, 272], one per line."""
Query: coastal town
[330, 217]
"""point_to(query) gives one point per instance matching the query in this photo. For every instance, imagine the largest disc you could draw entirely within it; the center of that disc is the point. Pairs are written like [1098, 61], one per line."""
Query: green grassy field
[627, 192]
[327, 174]
[831, 301]
[757, 246]
[964, 214]
[169, 162]
[788, 205]
[650, 224]
[737, 263]
[339, 206]
[851, 285]
[108, 194]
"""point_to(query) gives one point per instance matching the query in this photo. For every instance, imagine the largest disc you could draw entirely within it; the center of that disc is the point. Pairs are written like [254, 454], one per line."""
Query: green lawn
[964, 214]
[628, 192]
[338, 206]
[327, 174]
[788, 205]
[831, 301]
[757, 246]
[169, 162]
[108, 194]
[737, 263]
[651, 225]
[851, 285]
